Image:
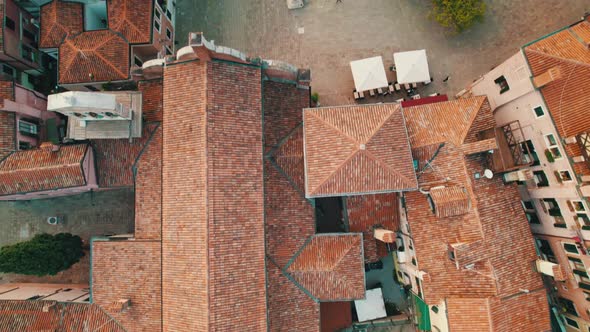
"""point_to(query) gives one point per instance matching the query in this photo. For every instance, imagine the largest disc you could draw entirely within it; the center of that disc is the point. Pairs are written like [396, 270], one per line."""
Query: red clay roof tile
[566, 97]
[131, 18]
[41, 169]
[356, 150]
[129, 270]
[331, 267]
[58, 20]
[93, 56]
[60, 316]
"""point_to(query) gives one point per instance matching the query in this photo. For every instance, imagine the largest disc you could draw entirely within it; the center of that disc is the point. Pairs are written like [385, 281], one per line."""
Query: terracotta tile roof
[93, 56]
[290, 309]
[60, 316]
[7, 133]
[330, 267]
[115, 158]
[58, 20]
[283, 103]
[484, 273]
[148, 189]
[131, 18]
[42, 169]
[226, 261]
[523, 312]
[152, 99]
[289, 158]
[442, 122]
[566, 97]
[129, 270]
[367, 211]
[356, 150]
[450, 201]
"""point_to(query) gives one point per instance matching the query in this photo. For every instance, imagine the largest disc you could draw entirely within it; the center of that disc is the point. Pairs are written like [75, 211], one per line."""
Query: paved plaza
[325, 36]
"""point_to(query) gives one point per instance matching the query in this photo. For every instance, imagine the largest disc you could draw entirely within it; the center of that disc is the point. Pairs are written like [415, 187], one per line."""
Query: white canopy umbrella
[411, 67]
[368, 73]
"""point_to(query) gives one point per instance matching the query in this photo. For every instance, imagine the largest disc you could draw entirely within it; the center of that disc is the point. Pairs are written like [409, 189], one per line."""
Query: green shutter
[422, 314]
[584, 285]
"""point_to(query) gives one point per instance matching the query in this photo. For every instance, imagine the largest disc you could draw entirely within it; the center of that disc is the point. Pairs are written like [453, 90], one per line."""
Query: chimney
[547, 77]
[384, 235]
[49, 146]
[47, 307]
[121, 305]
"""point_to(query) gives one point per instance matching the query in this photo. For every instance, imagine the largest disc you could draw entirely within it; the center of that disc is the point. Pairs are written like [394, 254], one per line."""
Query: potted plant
[315, 98]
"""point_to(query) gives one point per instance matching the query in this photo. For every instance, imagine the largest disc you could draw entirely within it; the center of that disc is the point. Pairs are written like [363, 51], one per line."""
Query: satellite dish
[488, 174]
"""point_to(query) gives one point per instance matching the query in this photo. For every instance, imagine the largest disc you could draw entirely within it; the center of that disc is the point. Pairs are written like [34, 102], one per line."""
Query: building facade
[544, 87]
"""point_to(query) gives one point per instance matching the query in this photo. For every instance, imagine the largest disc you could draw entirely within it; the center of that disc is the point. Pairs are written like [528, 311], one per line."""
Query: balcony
[510, 153]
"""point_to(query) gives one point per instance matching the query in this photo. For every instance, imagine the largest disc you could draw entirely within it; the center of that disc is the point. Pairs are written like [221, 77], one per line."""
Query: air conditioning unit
[53, 220]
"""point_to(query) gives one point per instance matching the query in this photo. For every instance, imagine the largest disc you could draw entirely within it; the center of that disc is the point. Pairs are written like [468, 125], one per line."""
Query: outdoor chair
[356, 95]
[407, 86]
[372, 93]
[391, 88]
[361, 95]
[414, 86]
[397, 86]
[380, 91]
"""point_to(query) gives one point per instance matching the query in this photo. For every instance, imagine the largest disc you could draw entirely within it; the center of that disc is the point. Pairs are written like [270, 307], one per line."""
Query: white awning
[368, 73]
[411, 67]
[372, 307]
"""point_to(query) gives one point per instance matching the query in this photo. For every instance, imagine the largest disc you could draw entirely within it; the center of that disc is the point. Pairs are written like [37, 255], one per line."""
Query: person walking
[446, 79]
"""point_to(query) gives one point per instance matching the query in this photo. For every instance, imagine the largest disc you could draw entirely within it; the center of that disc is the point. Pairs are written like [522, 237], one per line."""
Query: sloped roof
[567, 96]
[93, 56]
[58, 20]
[442, 122]
[125, 270]
[60, 316]
[330, 267]
[42, 169]
[450, 201]
[356, 150]
[367, 211]
[131, 18]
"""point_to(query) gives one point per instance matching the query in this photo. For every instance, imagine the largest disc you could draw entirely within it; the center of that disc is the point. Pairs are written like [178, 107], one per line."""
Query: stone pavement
[326, 36]
[85, 215]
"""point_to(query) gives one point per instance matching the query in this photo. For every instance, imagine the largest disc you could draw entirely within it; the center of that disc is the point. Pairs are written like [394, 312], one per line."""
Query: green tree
[44, 254]
[458, 15]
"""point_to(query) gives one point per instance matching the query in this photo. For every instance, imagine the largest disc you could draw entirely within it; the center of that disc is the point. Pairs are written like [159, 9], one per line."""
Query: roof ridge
[480, 102]
[576, 62]
[336, 129]
[380, 125]
[106, 61]
[12, 171]
[385, 166]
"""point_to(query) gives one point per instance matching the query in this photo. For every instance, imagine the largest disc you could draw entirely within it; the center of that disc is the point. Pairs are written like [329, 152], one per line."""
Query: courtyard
[325, 36]
[86, 215]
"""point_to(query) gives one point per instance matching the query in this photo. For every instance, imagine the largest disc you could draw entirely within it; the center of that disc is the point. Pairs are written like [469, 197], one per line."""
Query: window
[552, 207]
[563, 176]
[137, 61]
[530, 155]
[578, 206]
[583, 220]
[571, 248]
[571, 322]
[8, 70]
[451, 253]
[552, 146]
[24, 145]
[539, 112]
[158, 14]
[528, 205]
[168, 33]
[169, 14]
[9, 23]
[27, 53]
[501, 81]
[540, 179]
[28, 34]
[546, 251]
[434, 309]
[568, 305]
[27, 128]
[576, 263]
[532, 217]
[157, 25]
[168, 50]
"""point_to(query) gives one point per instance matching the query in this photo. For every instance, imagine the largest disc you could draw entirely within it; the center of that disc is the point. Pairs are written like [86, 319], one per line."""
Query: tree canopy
[458, 15]
[44, 254]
